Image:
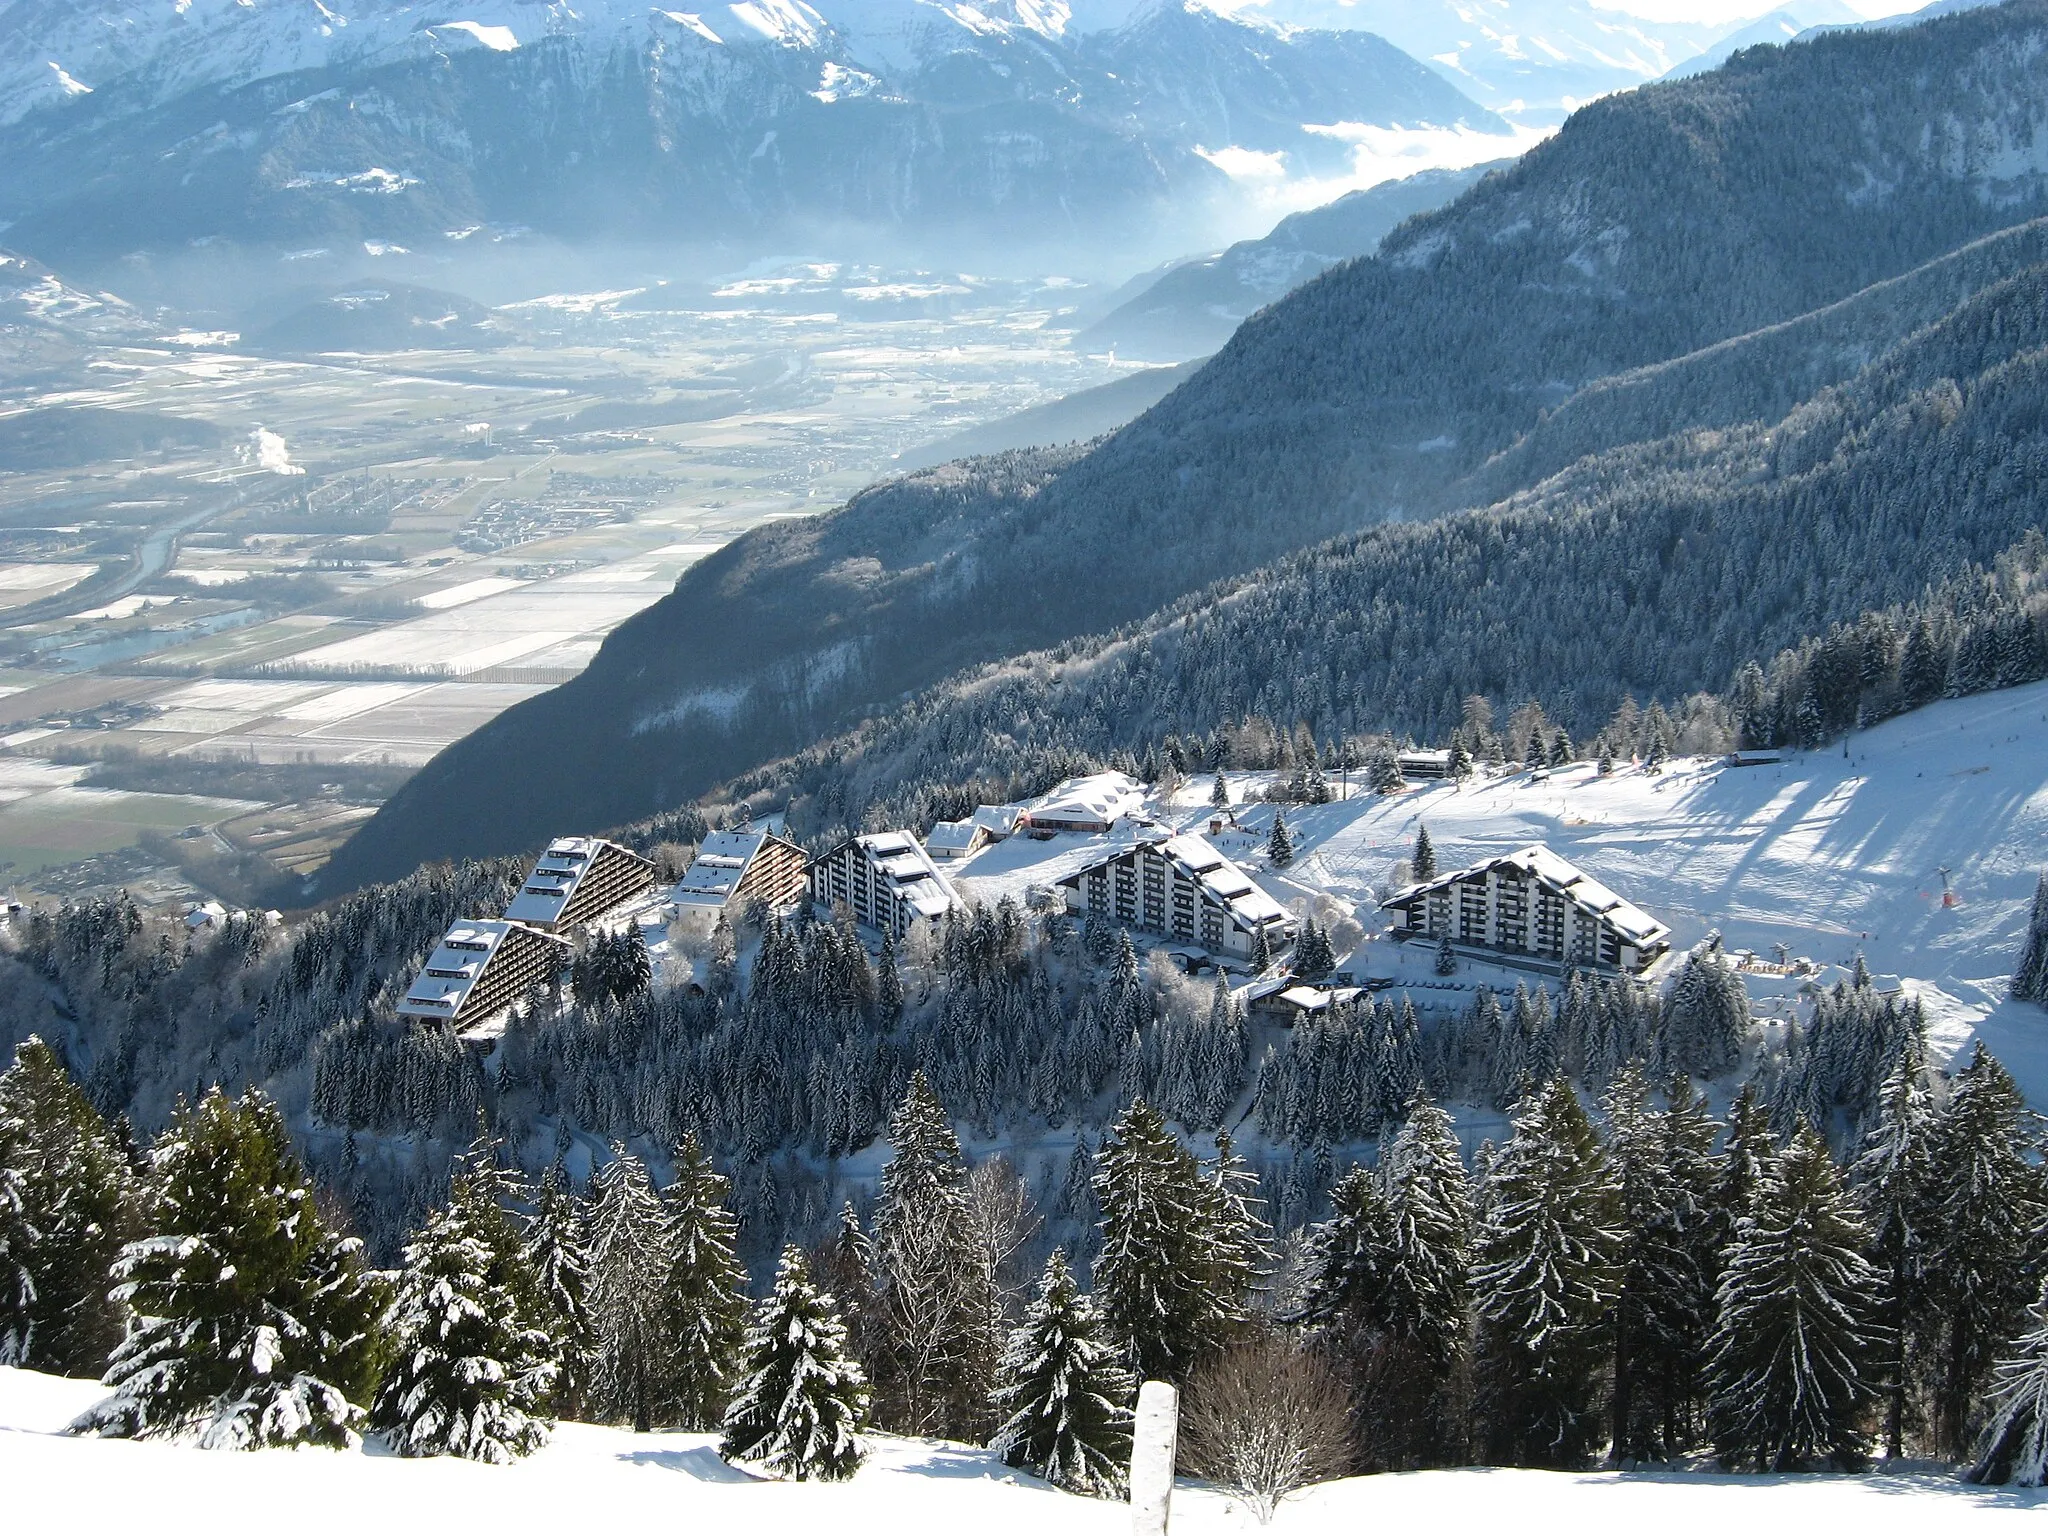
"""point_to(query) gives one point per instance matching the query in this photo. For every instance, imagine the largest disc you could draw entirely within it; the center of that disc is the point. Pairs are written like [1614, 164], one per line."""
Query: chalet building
[734, 868]
[886, 879]
[481, 967]
[1532, 905]
[1425, 763]
[577, 881]
[1091, 804]
[955, 840]
[1178, 886]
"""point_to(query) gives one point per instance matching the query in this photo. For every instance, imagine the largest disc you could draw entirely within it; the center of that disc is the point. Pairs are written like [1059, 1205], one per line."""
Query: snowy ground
[676, 1483]
[1829, 852]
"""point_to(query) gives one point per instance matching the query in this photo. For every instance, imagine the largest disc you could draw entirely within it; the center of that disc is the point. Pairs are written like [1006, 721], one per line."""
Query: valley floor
[675, 1482]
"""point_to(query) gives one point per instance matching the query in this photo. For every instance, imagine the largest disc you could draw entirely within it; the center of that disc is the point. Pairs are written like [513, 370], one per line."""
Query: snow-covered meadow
[675, 1482]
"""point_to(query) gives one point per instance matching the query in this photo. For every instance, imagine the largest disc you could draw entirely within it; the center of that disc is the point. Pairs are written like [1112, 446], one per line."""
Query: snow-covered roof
[1536, 862]
[454, 967]
[913, 878]
[720, 865]
[554, 879]
[1096, 800]
[953, 836]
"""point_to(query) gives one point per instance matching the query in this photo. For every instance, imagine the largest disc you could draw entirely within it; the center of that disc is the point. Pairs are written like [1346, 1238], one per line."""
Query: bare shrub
[1264, 1418]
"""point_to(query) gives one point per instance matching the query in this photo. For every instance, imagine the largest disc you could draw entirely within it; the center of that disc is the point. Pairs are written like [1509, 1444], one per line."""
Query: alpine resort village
[1158, 768]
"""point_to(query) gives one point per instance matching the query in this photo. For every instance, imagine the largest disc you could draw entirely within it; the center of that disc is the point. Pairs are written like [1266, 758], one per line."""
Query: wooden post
[1155, 1441]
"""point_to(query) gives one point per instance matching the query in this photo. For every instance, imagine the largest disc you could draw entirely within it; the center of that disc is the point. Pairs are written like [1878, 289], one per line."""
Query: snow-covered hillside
[675, 1483]
[1829, 852]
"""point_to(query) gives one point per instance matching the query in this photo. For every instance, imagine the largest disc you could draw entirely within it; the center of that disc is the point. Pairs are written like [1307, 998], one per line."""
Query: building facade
[1531, 904]
[1180, 887]
[577, 881]
[480, 968]
[734, 868]
[886, 880]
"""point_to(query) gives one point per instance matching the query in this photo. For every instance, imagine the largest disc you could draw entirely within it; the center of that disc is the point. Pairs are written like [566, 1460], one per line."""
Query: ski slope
[1827, 853]
[616, 1480]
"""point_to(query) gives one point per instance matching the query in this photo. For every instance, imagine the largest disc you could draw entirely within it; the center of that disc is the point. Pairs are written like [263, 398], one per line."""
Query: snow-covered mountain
[1516, 53]
[140, 122]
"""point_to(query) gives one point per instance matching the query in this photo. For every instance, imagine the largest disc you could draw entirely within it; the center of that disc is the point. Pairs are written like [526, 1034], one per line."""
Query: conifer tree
[704, 1306]
[1261, 958]
[1219, 793]
[1890, 1179]
[471, 1375]
[1429, 1211]
[1235, 1231]
[938, 1356]
[2030, 976]
[78, 1195]
[1459, 768]
[799, 1407]
[1062, 1393]
[1544, 1276]
[1280, 845]
[1657, 1282]
[845, 1266]
[1446, 957]
[629, 1270]
[1982, 1213]
[1799, 1325]
[18, 1241]
[558, 1257]
[252, 1324]
[1673, 1355]
[1423, 863]
[1154, 1278]
[1349, 1260]
[2016, 1444]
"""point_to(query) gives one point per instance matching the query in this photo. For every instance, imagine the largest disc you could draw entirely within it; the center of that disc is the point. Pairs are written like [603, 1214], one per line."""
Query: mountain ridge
[1653, 225]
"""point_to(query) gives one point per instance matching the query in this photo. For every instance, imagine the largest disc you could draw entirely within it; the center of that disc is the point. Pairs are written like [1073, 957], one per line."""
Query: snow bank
[674, 1482]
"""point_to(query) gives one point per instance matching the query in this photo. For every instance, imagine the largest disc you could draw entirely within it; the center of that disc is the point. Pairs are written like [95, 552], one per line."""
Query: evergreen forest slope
[1485, 347]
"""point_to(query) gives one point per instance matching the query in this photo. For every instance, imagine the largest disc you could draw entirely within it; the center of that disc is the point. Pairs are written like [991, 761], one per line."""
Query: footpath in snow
[611, 1479]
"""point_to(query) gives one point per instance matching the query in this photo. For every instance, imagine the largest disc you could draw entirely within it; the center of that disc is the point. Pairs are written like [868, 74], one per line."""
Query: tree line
[1631, 1282]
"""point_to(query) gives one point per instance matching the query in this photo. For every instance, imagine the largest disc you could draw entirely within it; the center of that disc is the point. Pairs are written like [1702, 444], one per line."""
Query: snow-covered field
[614, 1479]
[1828, 853]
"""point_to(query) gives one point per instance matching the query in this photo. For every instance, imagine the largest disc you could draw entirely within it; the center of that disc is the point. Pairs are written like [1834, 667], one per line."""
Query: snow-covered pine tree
[1153, 1276]
[559, 1257]
[1261, 958]
[1544, 1277]
[79, 1196]
[1446, 957]
[1460, 766]
[252, 1324]
[18, 1242]
[1673, 1355]
[629, 1268]
[1346, 1261]
[1982, 1213]
[798, 1411]
[845, 1266]
[704, 1306]
[939, 1358]
[1062, 1393]
[1314, 958]
[1219, 793]
[2030, 976]
[1657, 1281]
[1239, 1252]
[1799, 1332]
[471, 1375]
[1280, 845]
[1890, 1181]
[1429, 1213]
[2015, 1446]
[1423, 863]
